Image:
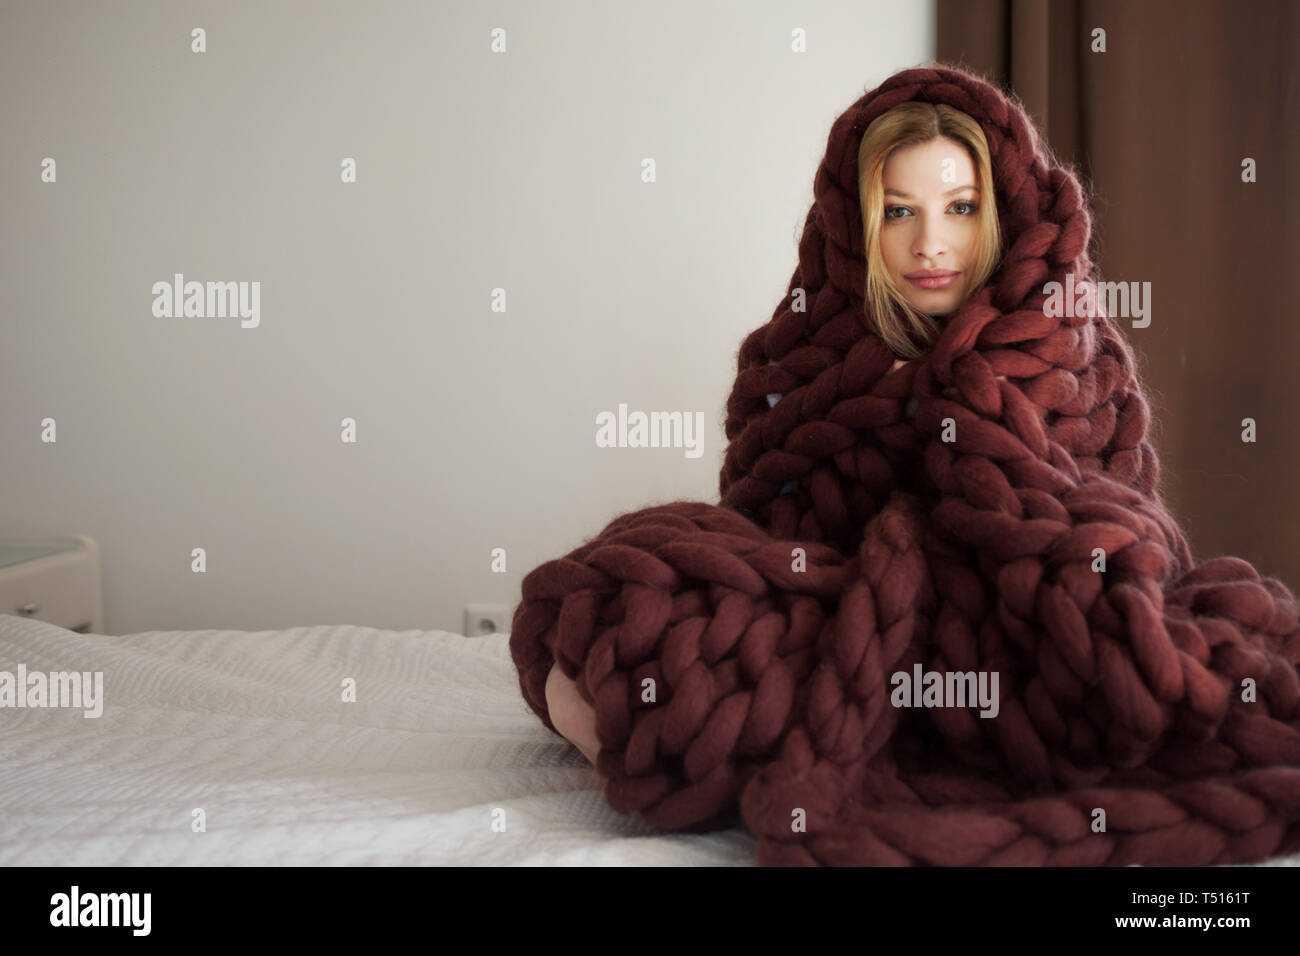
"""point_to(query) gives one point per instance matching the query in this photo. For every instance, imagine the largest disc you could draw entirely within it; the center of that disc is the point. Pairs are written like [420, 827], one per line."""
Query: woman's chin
[936, 310]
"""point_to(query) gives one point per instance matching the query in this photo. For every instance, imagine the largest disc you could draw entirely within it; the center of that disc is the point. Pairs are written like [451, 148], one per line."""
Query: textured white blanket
[438, 761]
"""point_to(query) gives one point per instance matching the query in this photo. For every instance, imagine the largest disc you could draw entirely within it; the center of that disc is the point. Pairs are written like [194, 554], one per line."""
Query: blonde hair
[910, 124]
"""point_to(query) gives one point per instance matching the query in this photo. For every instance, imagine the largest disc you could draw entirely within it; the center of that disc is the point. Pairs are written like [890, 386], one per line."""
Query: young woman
[930, 472]
[931, 235]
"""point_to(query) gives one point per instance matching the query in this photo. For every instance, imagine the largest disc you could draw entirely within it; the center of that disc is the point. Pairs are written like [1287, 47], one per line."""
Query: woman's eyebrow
[903, 195]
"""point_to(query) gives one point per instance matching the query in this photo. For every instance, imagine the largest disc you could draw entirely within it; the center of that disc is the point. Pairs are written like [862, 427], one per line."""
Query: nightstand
[55, 580]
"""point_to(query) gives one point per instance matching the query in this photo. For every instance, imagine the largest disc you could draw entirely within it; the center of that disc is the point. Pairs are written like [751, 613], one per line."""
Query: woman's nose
[928, 243]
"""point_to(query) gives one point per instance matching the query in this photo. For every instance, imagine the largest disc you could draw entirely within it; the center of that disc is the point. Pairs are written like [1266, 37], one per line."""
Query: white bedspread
[250, 727]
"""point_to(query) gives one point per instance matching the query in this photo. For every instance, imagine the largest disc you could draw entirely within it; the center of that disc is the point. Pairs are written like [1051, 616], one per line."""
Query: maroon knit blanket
[744, 659]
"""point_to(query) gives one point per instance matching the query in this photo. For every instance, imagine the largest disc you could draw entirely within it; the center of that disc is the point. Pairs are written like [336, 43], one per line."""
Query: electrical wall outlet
[481, 619]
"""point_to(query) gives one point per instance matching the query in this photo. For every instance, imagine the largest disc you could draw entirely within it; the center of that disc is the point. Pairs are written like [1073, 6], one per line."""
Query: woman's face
[931, 223]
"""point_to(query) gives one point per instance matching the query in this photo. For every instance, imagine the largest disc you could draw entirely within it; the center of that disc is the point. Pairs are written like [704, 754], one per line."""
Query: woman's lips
[937, 282]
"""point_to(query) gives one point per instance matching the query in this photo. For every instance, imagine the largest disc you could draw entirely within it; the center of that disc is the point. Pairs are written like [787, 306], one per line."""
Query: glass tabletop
[17, 552]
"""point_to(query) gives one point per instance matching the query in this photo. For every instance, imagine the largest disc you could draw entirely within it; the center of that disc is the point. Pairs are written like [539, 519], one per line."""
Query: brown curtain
[1159, 125]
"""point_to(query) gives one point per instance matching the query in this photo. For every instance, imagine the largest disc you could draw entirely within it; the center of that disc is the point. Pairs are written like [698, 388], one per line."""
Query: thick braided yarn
[739, 656]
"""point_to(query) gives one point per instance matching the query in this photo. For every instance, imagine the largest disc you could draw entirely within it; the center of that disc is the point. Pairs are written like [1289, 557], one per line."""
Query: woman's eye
[972, 207]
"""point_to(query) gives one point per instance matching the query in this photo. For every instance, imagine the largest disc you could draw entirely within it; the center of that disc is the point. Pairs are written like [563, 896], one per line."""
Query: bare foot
[572, 716]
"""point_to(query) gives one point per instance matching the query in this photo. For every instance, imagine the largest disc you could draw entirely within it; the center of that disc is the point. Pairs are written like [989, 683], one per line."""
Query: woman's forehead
[936, 166]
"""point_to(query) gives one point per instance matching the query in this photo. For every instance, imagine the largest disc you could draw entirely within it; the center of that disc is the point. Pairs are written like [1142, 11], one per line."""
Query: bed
[250, 730]
[220, 748]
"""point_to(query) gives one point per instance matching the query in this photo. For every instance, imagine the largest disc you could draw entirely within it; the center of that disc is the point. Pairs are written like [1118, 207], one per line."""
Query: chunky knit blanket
[775, 660]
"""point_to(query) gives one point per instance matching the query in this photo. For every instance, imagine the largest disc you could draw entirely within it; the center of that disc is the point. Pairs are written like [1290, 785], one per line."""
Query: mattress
[219, 748]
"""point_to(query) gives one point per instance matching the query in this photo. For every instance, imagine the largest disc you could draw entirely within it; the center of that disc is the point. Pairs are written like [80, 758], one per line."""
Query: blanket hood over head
[795, 657]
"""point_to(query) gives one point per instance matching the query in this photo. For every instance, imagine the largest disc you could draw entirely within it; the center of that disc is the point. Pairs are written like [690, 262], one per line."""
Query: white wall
[476, 170]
